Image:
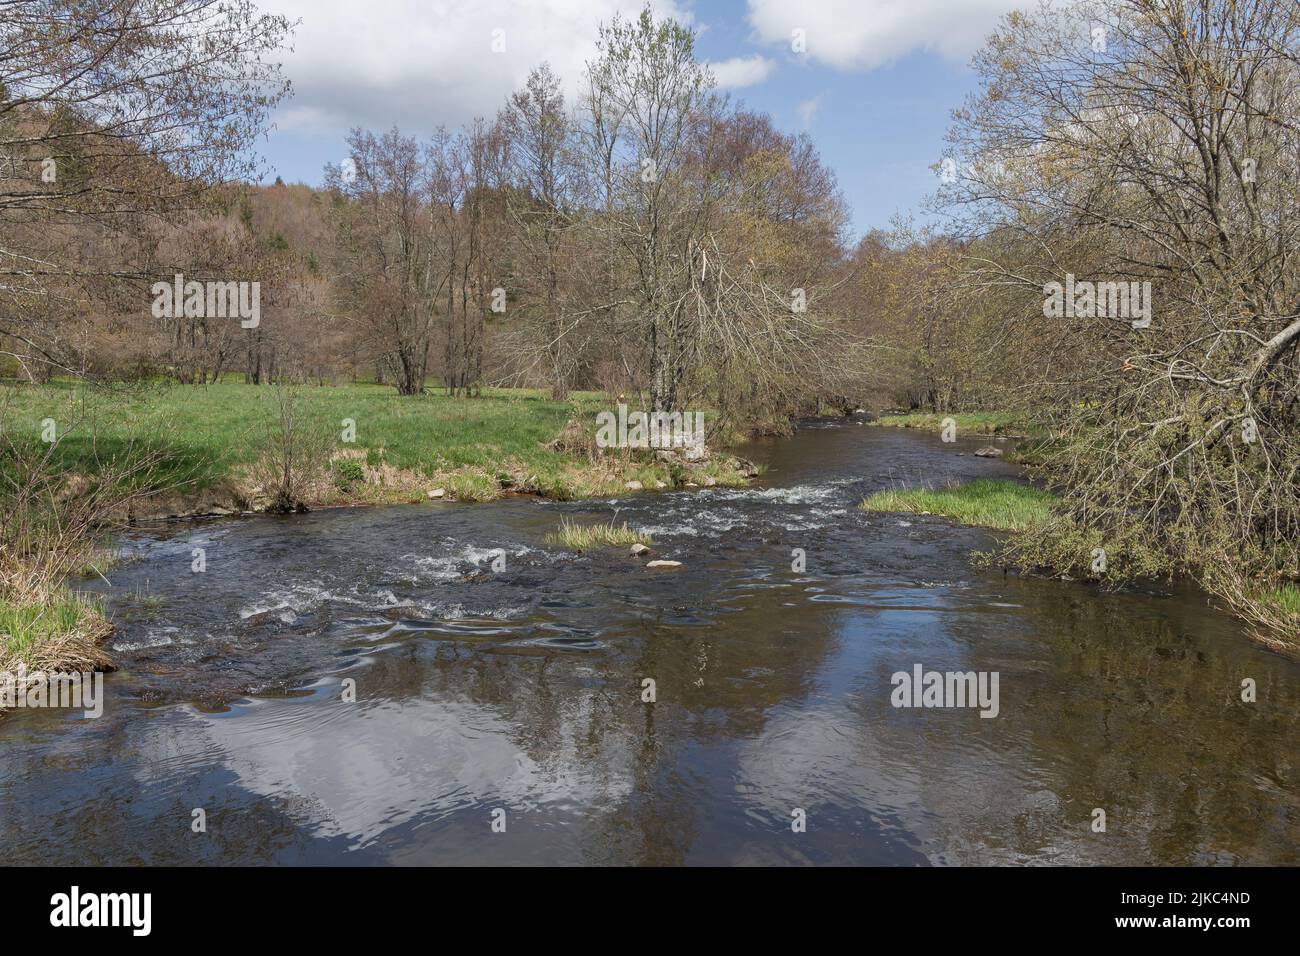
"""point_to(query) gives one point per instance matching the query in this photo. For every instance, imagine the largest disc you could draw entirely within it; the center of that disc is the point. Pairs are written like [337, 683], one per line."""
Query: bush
[348, 472]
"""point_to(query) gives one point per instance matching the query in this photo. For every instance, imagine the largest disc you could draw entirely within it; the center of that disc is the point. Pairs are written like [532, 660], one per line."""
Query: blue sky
[874, 87]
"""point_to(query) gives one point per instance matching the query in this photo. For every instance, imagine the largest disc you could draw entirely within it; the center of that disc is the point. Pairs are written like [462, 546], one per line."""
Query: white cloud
[864, 34]
[742, 71]
[418, 64]
[807, 110]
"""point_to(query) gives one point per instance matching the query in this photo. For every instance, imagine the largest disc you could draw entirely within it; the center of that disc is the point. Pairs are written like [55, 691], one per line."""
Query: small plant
[294, 453]
[348, 472]
[986, 503]
[97, 562]
[473, 486]
[147, 599]
[580, 537]
[61, 630]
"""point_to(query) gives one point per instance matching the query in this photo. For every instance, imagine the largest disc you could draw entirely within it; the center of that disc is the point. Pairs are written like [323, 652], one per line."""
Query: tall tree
[1155, 141]
[542, 204]
[115, 117]
[388, 271]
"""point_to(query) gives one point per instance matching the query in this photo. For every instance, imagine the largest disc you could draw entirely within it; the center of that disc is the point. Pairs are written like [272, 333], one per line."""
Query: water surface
[522, 691]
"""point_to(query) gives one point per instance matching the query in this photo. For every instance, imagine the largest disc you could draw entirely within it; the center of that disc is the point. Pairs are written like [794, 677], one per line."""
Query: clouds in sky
[421, 63]
[864, 34]
[741, 71]
[807, 110]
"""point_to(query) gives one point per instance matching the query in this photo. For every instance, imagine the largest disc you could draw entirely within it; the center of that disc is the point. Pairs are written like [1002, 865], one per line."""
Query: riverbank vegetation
[1117, 254]
[223, 446]
[59, 629]
[986, 503]
[1007, 424]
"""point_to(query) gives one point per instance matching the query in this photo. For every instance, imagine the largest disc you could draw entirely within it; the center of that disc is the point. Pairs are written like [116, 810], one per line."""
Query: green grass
[98, 562]
[580, 537]
[148, 600]
[473, 486]
[347, 473]
[210, 436]
[986, 503]
[206, 430]
[1285, 598]
[59, 631]
[1006, 423]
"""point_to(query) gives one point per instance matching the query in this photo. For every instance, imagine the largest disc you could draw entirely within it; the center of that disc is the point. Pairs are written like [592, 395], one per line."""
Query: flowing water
[521, 691]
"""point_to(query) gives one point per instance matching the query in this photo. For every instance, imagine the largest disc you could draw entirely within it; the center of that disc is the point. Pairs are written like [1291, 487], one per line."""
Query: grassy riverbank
[1270, 609]
[209, 445]
[1008, 424]
[78, 457]
[985, 503]
[55, 630]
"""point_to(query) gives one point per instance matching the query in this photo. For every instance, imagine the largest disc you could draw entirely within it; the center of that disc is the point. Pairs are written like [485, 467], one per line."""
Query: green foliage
[1008, 423]
[473, 486]
[348, 472]
[580, 537]
[987, 503]
[60, 627]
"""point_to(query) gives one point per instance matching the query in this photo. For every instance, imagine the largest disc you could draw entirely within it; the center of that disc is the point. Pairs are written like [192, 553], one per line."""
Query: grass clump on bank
[986, 503]
[58, 630]
[1010, 424]
[1272, 609]
[1276, 612]
[586, 537]
[1285, 598]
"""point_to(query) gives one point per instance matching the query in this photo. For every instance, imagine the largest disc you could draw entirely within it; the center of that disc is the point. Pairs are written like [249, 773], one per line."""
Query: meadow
[377, 446]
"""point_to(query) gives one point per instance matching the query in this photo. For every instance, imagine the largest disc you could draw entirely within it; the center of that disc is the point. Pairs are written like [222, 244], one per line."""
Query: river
[515, 698]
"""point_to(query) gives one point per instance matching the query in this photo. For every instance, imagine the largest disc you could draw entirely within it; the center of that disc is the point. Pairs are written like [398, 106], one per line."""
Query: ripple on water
[152, 637]
[520, 690]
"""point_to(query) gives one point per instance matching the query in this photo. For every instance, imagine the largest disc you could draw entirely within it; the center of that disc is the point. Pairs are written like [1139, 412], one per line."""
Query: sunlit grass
[60, 629]
[209, 429]
[1007, 423]
[477, 448]
[985, 503]
[586, 537]
[1285, 598]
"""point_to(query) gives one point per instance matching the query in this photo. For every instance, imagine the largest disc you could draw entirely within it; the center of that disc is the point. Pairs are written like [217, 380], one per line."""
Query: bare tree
[700, 204]
[385, 257]
[1155, 141]
[114, 116]
[542, 209]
